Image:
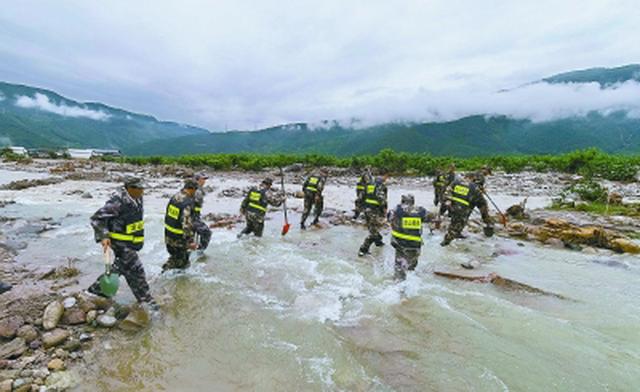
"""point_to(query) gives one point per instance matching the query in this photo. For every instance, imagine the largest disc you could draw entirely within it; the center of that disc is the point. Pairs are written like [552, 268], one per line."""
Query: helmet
[267, 181]
[407, 199]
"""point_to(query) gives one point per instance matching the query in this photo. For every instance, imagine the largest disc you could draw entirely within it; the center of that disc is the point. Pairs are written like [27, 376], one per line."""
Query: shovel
[503, 217]
[109, 281]
[286, 226]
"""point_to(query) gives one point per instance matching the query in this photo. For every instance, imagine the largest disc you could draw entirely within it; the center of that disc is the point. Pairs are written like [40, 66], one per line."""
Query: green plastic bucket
[109, 283]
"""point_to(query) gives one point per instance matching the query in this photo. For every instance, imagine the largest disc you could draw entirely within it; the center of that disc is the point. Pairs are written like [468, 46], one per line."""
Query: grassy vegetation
[589, 163]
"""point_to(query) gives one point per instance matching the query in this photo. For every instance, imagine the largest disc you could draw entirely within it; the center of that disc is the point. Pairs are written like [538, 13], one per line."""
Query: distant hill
[34, 117]
[470, 136]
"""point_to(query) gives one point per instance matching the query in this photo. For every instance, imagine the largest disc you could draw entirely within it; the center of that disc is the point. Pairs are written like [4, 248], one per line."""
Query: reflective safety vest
[256, 201]
[460, 194]
[371, 198]
[406, 228]
[311, 184]
[133, 234]
[441, 180]
[361, 185]
[173, 217]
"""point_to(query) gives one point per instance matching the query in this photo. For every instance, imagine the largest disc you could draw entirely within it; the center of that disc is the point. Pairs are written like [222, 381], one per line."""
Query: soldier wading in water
[119, 225]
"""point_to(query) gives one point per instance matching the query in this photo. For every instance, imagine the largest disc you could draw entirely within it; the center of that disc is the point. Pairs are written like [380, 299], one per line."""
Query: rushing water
[303, 312]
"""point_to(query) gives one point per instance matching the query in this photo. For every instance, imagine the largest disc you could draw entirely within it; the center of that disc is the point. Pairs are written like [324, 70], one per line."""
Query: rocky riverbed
[52, 335]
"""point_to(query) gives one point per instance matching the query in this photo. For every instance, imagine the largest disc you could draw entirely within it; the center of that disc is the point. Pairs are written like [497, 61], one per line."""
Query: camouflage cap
[190, 183]
[201, 176]
[133, 182]
[267, 181]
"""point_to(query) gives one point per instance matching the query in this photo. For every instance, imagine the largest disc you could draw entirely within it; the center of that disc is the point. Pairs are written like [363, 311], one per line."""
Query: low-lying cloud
[42, 102]
[537, 102]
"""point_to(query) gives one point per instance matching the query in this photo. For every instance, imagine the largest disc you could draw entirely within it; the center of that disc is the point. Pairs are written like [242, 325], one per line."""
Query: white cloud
[245, 64]
[537, 102]
[42, 102]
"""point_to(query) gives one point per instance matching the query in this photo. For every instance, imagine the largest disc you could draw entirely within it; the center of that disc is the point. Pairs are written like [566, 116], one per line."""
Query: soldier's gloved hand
[488, 231]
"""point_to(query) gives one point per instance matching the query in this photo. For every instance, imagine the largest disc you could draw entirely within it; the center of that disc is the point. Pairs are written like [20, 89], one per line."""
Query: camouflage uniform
[120, 219]
[312, 189]
[464, 197]
[440, 184]
[406, 235]
[179, 230]
[200, 227]
[254, 208]
[361, 185]
[375, 209]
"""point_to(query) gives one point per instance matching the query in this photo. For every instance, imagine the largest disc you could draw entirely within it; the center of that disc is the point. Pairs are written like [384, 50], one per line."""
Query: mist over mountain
[597, 107]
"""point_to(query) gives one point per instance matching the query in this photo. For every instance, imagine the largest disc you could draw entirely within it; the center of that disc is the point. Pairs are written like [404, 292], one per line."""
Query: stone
[56, 364]
[105, 320]
[13, 349]
[61, 380]
[9, 326]
[73, 316]
[87, 195]
[624, 245]
[85, 303]
[85, 337]
[6, 385]
[72, 344]
[615, 198]
[36, 344]
[69, 302]
[52, 314]
[23, 388]
[41, 373]
[60, 353]
[91, 316]
[54, 338]
[27, 332]
[136, 320]
[555, 222]
[555, 243]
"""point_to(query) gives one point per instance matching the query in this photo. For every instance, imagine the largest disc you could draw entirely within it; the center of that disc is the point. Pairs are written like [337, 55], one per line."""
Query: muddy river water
[305, 313]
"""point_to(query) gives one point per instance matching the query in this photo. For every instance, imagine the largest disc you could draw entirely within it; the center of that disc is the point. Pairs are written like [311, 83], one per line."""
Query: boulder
[52, 314]
[55, 337]
[624, 245]
[9, 326]
[13, 349]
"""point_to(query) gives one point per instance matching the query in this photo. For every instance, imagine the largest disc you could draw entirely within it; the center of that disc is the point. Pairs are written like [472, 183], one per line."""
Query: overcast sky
[251, 64]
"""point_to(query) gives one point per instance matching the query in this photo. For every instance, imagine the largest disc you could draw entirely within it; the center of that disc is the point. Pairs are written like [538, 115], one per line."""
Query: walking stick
[286, 226]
